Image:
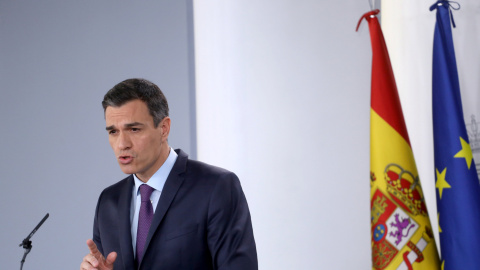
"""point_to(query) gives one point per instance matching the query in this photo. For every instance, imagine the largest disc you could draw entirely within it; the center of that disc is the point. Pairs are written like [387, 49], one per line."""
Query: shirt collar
[159, 178]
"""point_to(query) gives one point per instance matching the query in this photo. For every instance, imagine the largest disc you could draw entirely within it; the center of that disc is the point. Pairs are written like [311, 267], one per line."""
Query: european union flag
[458, 196]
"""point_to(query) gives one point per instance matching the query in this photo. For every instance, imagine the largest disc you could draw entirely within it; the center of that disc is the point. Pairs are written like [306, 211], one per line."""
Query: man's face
[139, 147]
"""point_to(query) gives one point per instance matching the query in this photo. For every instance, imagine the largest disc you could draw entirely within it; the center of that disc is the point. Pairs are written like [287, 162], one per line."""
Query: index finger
[93, 248]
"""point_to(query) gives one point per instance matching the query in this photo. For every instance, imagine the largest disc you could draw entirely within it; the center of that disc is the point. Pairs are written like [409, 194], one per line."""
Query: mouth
[125, 159]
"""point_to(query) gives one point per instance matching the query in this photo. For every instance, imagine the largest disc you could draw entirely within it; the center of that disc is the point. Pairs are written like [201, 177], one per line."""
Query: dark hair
[141, 89]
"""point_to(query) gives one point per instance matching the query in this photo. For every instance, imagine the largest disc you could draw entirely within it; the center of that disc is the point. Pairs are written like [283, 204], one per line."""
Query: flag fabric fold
[400, 227]
[456, 180]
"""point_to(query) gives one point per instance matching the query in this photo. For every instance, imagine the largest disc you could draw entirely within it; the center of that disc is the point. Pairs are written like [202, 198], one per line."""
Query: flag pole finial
[367, 16]
[449, 5]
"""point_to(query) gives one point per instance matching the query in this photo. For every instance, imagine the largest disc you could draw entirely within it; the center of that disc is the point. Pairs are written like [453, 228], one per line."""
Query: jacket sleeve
[230, 234]
[96, 230]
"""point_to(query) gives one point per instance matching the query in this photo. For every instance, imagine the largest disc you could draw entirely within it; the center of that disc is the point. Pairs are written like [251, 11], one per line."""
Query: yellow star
[441, 182]
[466, 152]
[443, 264]
[438, 220]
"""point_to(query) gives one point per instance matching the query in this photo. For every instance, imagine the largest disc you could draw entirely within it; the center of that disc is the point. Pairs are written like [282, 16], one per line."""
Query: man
[170, 213]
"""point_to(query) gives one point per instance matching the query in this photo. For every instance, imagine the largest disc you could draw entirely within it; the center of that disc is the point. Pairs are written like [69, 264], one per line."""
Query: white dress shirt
[157, 181]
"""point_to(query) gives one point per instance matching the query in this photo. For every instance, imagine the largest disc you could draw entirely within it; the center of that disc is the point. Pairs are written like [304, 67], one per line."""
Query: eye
[112, 132]
[135, 129]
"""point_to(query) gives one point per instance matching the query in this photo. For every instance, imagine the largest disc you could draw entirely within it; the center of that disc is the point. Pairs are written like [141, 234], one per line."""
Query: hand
[95, 260]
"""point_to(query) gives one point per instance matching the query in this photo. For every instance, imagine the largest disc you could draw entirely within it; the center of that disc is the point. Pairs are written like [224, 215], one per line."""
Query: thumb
[110, 260]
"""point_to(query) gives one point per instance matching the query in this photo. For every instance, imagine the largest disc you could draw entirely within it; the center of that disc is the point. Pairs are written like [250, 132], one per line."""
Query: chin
[127, 169]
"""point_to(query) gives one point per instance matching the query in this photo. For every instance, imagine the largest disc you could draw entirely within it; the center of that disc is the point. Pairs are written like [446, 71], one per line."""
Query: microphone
[27, 244]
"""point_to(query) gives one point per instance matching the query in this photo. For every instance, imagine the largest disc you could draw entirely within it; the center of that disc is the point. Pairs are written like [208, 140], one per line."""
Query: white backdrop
[283, 100]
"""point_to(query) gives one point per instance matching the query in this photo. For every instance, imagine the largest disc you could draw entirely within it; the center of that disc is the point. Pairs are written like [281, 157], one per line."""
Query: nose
[124, 142]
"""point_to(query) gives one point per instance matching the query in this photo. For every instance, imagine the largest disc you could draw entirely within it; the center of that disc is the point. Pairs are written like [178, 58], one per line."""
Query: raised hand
[95, 260]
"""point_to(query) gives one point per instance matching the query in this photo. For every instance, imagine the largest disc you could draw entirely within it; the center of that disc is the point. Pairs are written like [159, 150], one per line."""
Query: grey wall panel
[57, 60]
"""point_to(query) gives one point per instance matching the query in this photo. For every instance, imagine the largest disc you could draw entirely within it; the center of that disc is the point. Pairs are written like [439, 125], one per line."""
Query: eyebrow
[134, 124]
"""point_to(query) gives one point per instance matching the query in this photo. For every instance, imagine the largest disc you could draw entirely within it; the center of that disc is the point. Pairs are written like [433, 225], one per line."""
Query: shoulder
[222, 185]
[117, 189]
[205, 174]
[120, 184]
[202, 179]
[204, 169]
[200, 171]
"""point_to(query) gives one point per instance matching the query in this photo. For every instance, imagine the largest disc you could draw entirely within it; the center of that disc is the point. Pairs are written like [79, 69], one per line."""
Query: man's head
[141, 89]
[136, 116]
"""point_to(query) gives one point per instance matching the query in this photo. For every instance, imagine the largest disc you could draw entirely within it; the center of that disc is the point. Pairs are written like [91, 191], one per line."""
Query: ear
[165, 127]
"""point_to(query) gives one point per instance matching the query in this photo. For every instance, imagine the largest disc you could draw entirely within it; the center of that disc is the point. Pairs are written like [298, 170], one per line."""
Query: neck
[145, 176]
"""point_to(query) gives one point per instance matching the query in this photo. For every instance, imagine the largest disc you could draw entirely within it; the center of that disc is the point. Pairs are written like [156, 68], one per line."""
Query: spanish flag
[400, 227]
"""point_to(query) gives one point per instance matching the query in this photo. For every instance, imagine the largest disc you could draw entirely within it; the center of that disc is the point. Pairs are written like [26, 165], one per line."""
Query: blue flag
[456, 180]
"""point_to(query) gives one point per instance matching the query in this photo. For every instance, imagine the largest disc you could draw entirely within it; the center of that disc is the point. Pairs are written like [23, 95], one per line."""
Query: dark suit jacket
[201, 222]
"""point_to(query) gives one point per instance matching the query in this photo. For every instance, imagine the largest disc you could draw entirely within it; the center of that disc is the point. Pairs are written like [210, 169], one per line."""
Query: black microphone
[27, 244]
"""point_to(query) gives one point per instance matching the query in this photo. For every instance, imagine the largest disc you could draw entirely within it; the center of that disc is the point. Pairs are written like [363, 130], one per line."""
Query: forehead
[132, 111]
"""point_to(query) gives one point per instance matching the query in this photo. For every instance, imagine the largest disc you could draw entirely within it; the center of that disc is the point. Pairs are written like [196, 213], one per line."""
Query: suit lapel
[170, 189]
[125, 234]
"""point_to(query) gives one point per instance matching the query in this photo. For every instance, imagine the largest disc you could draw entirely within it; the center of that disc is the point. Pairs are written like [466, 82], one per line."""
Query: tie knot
[145, 192]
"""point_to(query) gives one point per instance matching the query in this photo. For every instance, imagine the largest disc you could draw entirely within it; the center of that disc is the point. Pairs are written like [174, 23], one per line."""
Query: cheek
[141, 145]
[148, 147]
[113, 144]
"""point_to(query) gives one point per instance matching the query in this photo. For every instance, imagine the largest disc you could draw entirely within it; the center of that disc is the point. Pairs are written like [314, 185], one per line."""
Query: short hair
[141, 89]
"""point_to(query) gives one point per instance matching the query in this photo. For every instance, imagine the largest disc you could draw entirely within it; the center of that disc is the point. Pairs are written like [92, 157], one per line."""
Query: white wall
[283, 100]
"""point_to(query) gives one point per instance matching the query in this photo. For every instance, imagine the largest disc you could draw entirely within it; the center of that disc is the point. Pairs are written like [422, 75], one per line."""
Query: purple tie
[144, 219]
